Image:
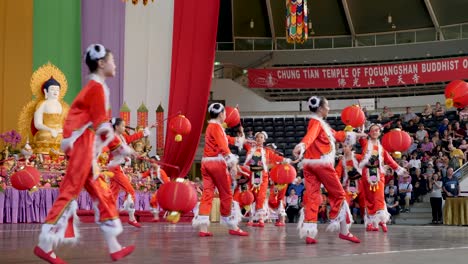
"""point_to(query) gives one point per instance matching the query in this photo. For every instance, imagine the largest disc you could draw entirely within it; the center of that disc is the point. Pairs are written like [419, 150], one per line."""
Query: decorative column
[142, 116]
[125, 113]
[160, 130]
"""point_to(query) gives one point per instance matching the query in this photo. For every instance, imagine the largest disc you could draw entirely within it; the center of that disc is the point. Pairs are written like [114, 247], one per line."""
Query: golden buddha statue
[42, 119]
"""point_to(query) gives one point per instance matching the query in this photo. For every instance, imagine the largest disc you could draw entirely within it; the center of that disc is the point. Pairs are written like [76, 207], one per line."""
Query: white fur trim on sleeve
[239, 142]
[350, 138]
[231, 160]
[146, 132]
[303, 148]
[401, 171]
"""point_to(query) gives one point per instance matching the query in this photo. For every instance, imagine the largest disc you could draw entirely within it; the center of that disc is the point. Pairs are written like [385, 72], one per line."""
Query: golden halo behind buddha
[42, 74]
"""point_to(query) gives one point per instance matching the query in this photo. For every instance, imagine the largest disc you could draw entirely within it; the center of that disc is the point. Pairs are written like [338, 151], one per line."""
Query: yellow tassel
[178, 138]
[33, 189]
[247, 208]
[173, 217]
[449, 102]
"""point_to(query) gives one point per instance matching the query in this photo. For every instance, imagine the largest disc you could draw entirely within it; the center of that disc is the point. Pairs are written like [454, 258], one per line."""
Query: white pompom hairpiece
[213, 110]
[262, 132]
[96, 51]
[314, 102]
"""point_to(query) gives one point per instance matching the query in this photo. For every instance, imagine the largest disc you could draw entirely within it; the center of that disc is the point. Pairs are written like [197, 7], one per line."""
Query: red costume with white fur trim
[258, 158]
[373, 182]
[318, 146]
[86, 131]
[117, 157]
[162, 177]
[217, 157]
[346, 169]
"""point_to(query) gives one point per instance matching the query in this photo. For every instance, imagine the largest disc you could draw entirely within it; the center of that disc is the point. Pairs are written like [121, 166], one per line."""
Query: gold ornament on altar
[135, 2]
[42, 118]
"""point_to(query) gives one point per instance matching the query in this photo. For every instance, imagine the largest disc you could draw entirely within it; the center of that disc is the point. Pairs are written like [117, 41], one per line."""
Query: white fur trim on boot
[306, 229]
[128, 203]
[281, 211]
[199, 220]
[111, 227]
[381, 216]
[335, 223]
[55, 233]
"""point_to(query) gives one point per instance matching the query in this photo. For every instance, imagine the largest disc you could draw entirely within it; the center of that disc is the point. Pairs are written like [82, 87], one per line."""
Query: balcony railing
[452, 32]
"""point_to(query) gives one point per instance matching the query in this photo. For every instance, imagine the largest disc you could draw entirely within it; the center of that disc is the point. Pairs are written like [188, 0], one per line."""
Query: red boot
[310, 240]
[238, 232]
[205, 234]
[350, 237]
[249, 223]
[125, 251]
[134, 223]
[370, 227]
[47, 256]
[279, 223]
[383, 226]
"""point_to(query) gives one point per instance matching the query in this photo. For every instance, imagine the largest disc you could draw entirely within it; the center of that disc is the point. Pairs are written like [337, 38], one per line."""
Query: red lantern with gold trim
[353, 116]
[396, 140]
[177, 197]
[232, 117]
[181, 126]
[25, 179]
[456, 94]
[283, 174]
[246, 198]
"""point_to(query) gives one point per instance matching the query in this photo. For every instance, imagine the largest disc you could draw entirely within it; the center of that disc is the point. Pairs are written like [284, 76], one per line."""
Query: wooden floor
[166, 243]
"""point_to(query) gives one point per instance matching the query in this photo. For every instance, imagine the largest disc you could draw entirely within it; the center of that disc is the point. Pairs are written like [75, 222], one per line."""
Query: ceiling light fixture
[389, 19]
[252, 23]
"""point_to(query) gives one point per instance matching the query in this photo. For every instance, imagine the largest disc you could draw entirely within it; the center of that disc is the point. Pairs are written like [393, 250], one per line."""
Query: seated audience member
[410, 116]
[391, 185]
[439, 110]
[458, 133]
[421, 133]
[427, 146]
[405, 189]
[463, 114]
[385, 116]
[392, 201]
[427, 112]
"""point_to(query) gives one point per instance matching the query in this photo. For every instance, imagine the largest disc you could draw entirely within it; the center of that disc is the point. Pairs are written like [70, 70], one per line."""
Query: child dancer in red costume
[374, 157]
[156, 173]
[218, 164]
[318, 148]
[85, 132]
[258, 159]
[350, 173]
[120, 180]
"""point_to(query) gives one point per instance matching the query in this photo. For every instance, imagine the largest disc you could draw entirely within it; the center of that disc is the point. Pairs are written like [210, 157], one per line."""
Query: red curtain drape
[193, 51]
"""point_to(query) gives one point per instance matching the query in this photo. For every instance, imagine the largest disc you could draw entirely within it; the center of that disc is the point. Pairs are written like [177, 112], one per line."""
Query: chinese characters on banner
[396, 74]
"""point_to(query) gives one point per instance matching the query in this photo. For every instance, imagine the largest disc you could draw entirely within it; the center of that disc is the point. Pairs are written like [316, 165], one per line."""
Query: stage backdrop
[193, 50]
[104, 22]
[148, 50]
[16, 27]
[375, 75]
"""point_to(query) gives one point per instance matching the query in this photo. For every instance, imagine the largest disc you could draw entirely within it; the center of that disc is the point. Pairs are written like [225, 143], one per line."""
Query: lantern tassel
[173, 217]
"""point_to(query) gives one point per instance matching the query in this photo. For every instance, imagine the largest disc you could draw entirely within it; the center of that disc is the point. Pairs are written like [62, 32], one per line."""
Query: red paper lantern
[353, 116]
[396, 140]
[25, 179]
[177, 197]
[456, 94]
[283, 174]
[246, 198]
[181, 126]
[232, 117]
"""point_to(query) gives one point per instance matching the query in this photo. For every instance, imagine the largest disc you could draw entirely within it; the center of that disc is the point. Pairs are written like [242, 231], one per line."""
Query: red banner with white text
[381, 75]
